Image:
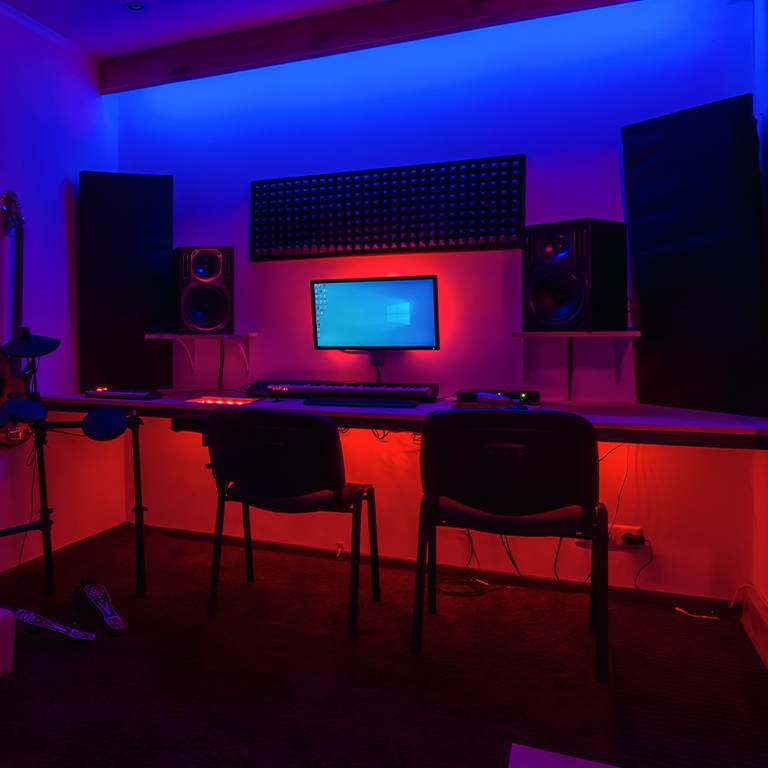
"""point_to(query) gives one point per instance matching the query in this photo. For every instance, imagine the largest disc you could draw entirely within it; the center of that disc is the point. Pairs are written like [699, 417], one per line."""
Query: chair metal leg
[599, 593]
[373, 544]
[418, 590]
[432, 569]
[217, 536]
[592, 588]
[354, 568]
[248, 543]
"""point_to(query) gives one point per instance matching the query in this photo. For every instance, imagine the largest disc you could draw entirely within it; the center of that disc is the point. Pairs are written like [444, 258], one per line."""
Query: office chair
[516, 473]
[291, 463]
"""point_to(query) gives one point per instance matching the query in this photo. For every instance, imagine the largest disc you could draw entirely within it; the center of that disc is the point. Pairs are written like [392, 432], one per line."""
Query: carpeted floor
[272, 680]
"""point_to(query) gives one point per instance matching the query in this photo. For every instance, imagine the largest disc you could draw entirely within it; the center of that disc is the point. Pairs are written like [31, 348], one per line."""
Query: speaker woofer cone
[206, 307]
[556, 297]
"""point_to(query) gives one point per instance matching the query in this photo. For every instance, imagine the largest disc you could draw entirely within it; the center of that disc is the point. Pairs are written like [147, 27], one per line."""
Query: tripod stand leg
[134, 422]
[45, 521]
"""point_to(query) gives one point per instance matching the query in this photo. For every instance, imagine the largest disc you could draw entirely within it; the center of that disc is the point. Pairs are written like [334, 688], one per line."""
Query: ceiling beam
[392, 21]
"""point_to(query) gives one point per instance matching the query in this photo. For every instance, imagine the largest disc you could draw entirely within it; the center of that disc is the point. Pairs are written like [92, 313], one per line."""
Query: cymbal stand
[134, 422]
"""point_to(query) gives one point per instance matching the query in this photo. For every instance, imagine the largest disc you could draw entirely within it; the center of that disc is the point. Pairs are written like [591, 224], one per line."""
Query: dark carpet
[273, 681]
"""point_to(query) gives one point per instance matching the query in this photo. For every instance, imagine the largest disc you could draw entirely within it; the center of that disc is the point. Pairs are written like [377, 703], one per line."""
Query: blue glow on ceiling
[556, 89]
[517, 56]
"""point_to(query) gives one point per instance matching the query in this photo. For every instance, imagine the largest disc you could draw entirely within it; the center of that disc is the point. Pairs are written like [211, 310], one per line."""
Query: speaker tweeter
[204, 278]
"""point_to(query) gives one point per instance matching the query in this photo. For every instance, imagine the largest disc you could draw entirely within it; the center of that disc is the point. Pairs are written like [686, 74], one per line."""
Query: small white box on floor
[7, 636]
[528, 757]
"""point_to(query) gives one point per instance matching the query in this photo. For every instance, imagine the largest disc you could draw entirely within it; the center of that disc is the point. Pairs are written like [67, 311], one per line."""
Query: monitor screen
[375, 313]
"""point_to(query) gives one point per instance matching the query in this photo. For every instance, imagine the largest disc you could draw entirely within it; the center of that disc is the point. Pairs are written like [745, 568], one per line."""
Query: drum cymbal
[28, 345]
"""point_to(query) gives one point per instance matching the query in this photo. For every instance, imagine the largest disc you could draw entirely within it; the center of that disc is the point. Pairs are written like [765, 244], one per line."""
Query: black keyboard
[360, 402]
[366, 390]
[125, 394]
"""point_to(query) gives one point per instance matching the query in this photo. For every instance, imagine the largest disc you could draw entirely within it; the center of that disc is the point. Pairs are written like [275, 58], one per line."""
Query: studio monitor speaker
[204, 278]
[575, 276]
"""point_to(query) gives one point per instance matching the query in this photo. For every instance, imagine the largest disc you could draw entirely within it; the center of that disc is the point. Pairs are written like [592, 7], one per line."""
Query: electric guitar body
[14, 381]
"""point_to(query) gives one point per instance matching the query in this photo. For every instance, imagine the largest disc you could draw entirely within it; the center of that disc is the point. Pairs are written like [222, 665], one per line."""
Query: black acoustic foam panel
[124, 280]
[698, 270]
[468, 204]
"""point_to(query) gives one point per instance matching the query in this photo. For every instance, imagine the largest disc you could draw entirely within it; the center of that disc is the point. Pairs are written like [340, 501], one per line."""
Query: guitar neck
[18, 295]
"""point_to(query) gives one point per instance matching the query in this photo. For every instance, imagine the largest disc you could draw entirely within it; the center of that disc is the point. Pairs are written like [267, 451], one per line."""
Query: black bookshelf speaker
[204, 279]
[575, 276]
[123, 280]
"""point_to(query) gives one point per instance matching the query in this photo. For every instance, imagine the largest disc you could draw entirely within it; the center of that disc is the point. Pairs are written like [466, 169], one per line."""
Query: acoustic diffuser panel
[468, 204]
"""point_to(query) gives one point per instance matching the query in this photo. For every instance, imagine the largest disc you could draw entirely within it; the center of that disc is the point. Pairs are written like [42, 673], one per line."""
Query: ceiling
[109, 28]
[171, 40]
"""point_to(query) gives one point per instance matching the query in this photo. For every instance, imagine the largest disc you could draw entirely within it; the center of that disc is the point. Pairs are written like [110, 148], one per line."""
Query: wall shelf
[621, 341]
[188, 340]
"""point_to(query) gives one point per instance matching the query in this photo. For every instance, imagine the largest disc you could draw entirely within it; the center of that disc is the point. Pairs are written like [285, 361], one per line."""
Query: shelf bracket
[244, 345]
[187, 342]
[620, 345]
[526, 352]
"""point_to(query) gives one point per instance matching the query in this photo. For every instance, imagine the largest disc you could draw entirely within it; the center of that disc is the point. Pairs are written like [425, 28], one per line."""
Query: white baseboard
[754, 617]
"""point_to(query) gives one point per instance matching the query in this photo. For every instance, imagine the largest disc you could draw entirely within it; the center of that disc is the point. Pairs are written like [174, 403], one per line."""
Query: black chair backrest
[277, 454]
[510, 462]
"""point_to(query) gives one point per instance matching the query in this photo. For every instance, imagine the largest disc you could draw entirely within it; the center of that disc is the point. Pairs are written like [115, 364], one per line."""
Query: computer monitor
[375, 313]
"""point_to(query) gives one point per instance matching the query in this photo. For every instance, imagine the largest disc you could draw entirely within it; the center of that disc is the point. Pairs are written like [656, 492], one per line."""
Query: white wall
[54, 123]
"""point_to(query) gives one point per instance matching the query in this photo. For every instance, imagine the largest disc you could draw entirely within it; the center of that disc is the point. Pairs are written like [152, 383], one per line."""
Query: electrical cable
[621, 487]
[31, 461]
[508, 550]
[221, 364]
[557, 554]
[615, 447]
[455, 579]
[730, 613]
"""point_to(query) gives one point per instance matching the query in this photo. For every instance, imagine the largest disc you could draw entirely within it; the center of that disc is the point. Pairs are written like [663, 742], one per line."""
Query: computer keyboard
[125, 394]
[366, 390]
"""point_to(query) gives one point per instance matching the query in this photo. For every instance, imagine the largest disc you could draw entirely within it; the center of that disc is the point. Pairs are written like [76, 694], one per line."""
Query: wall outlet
[617, 531]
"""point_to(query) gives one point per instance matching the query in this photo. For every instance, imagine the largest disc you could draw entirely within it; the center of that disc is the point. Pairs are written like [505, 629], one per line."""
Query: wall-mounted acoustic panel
[694, 219]
[575, 276]
[204, 284]
[453, 206]
[124, 280]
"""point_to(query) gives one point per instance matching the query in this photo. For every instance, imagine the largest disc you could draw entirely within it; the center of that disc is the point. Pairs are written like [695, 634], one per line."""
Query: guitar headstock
[11, 211]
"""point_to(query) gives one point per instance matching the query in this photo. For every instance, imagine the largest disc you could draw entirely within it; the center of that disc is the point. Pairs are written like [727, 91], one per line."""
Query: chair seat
[566, 521]
[322, 501]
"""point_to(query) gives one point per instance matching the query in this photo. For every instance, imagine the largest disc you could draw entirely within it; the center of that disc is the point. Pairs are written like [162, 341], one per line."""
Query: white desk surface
[615, 422]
